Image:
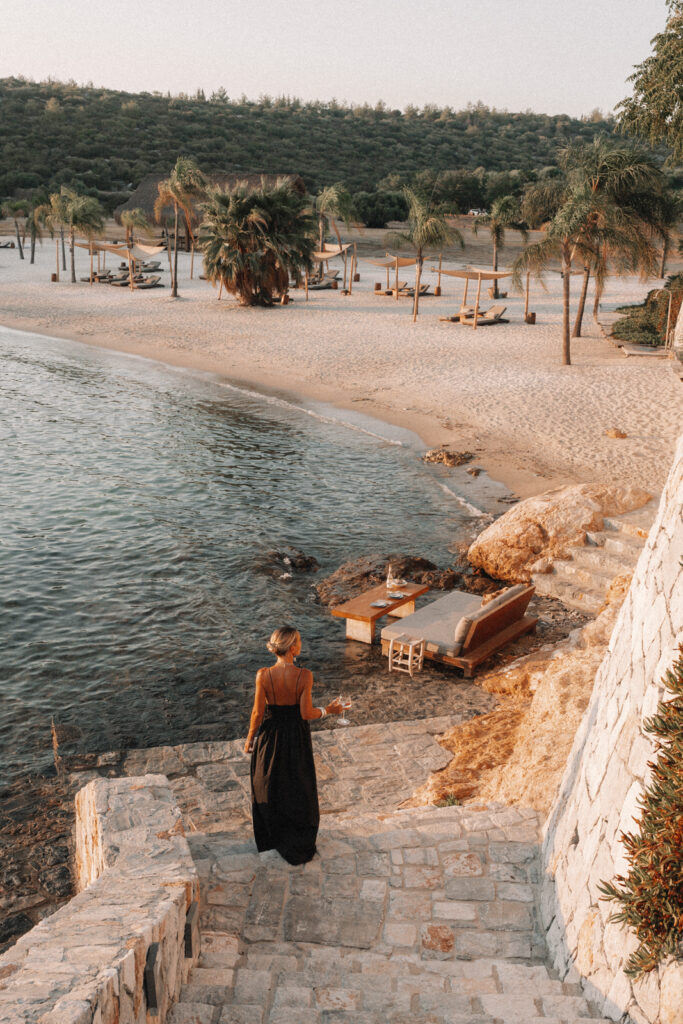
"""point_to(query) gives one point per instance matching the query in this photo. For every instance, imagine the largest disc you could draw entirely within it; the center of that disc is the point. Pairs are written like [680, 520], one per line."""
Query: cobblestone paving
[413, 916]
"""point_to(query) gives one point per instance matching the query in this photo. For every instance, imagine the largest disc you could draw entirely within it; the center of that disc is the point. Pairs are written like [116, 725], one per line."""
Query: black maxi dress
[284, 789]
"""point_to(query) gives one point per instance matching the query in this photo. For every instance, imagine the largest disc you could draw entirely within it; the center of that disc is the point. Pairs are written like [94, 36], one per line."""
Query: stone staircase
[416, 916]
[581, 581]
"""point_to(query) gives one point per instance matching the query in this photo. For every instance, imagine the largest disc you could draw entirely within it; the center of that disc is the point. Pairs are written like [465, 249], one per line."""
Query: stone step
[636, 523]
[624, 546]
[583, 598]
[341, 986]
[600, 562]
[577, 573]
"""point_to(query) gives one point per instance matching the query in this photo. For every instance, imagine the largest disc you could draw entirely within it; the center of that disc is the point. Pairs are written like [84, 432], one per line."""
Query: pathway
[407, 916]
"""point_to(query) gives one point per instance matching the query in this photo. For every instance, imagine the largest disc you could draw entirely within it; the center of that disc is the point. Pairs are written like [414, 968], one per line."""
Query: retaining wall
[85, 964]
[604, 777]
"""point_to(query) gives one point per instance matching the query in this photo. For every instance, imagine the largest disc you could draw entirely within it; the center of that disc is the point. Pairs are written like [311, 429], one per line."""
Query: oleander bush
[650, 896]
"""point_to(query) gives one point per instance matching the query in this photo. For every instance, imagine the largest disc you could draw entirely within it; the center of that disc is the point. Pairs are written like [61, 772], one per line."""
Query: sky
[549, 56]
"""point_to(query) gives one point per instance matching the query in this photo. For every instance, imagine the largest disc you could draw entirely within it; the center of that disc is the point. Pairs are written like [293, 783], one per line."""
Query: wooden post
[439, 281]
[306, 284]
[467, 284]
[130, 270]
[91, 261]
[192, 260]
[57, 254]
[220, 290]
[668, 322]
[344, 286]
[476, 305]
[526, 296]
[353, 268]
[396, 288]
[387, 278]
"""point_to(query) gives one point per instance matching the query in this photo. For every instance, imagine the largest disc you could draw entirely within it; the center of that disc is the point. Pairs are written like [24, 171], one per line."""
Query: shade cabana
[474, 274]
[328, 252]
[393, 263]
[130, 253]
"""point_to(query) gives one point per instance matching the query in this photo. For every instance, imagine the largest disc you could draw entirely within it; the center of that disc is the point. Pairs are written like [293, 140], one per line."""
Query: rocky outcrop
[285, 562]
[359, 574]
[546, 526]
[446, 457]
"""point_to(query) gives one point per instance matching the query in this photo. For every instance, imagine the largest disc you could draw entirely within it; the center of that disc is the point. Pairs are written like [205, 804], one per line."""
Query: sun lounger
[424, 288]
[491, 316]
[149, 282]
[458, 631]
[151, 265]
[456, 318]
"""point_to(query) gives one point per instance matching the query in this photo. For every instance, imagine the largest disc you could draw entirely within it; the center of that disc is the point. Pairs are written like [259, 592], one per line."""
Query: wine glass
[346, 704]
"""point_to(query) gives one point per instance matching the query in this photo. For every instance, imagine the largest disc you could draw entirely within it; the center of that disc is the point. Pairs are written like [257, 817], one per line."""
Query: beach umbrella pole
[476, 304]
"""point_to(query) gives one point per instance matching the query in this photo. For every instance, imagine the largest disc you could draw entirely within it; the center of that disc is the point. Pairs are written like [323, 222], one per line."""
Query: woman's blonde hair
[281, 640]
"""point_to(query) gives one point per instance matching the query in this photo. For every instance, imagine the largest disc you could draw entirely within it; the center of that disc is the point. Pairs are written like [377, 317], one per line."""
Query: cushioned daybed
[458, 631]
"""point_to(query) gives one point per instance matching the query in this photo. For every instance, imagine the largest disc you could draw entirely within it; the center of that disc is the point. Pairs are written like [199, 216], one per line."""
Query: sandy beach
[500, 392]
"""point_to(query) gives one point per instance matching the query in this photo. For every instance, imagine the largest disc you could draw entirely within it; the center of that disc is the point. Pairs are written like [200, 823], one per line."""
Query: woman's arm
[257, 712]
[308, 712]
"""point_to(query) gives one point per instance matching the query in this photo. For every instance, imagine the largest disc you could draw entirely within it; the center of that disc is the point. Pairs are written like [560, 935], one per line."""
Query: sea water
[139, 504]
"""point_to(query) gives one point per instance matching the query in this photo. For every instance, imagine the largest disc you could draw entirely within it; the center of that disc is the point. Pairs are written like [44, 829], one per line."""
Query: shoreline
[502, 394]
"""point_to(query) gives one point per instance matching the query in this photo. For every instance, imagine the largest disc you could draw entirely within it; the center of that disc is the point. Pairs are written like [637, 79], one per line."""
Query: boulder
[353, 577]
[547, 525]
[448, 457]
[285, 562]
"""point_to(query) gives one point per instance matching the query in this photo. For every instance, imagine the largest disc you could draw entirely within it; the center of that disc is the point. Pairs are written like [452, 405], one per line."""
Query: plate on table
[380, 604]
[398, 595]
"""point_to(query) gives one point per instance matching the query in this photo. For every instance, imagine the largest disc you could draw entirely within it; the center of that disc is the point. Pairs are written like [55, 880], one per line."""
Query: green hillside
[104, 141]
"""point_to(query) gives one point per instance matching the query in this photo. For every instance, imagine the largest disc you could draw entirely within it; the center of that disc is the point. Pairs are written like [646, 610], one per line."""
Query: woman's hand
[249, 746]
[336, 707]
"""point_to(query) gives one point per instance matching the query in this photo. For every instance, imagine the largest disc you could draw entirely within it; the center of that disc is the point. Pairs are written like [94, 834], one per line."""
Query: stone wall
[85, 964]
[604, 777]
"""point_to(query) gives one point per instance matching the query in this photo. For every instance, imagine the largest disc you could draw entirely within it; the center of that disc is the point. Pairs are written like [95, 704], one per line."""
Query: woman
[284, 791]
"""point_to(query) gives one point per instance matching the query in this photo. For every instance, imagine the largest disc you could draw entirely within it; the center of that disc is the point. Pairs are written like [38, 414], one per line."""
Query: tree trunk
[57, 255]
[33, 247]
[576, 333]
[61, 235]
[19, 245]
[174, 291]
[192, 261]
[566, 283]
[665, 253]
[596, 300]
[73, 258]
[168, 252]
[418, 275]
[495, 267]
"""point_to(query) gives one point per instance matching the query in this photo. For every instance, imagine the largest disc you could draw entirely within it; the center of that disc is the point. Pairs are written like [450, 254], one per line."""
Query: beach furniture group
[459, 629]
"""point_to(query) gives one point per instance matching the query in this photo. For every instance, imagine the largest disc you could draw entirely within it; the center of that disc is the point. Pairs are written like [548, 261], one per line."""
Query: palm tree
[132, 219]
[588, 218]
[332, 203]
[427, 229]
[505, 213]
[254, 238]
[36, 221]
[16, 210]
[55, 216]
[82, 214]
[185, 183]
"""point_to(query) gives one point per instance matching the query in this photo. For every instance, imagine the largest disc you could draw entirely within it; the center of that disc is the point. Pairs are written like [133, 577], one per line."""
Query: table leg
[363, 631]
[405, 609]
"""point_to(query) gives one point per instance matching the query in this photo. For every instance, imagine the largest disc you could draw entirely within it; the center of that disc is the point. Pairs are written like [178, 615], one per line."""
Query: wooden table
[361, 616]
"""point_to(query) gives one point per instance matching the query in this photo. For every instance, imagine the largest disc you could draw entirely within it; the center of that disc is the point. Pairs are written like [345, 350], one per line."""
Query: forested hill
[104, 141]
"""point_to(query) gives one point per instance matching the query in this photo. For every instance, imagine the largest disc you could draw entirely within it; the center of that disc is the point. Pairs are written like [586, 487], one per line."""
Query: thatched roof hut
[145, 194]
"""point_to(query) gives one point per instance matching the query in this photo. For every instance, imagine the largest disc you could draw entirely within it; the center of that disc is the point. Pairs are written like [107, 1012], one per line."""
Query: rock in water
[281, 564]
[353, 577]
[447, 457]
[546, 525]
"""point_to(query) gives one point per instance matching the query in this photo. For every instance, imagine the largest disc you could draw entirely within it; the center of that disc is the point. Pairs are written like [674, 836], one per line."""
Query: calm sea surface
[137, 507]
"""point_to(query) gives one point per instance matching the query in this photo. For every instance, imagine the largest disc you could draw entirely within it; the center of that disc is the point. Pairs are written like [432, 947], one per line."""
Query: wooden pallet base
[471, 659]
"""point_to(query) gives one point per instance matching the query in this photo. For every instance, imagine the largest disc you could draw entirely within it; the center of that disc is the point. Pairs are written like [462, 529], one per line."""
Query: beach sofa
[458, 630]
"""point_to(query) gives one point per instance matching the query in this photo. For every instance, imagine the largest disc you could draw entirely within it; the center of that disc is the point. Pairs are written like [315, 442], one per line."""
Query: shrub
[651, 895]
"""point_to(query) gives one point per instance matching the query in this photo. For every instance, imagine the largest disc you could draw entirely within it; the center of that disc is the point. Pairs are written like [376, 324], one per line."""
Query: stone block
[266, 904]
[409, 906]
[455, 910]
[241, 1015]
[508, 1006]
[437, 940]
[422, 876]
[251, 986]
[468, 889]
[465, 864]
[338, 999]
[506, 916]
[293, 995]
[399, 934]
[193, 1013]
